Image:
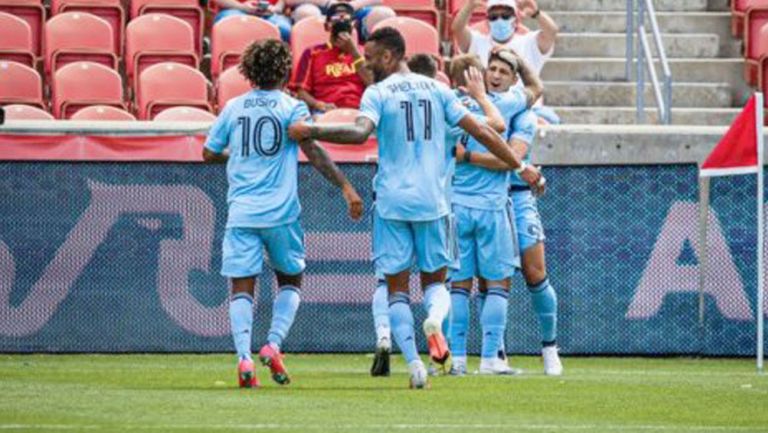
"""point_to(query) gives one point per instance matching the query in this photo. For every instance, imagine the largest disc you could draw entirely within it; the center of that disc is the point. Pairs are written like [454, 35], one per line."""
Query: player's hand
[527, 7]
[299, 131]
[541, 185]
[475, 83]
[345, 43]
[354, 202]
[531, 175]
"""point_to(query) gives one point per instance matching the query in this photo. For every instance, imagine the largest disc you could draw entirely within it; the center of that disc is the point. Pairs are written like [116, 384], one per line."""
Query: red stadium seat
[25, 112]
[78, 36]
[754, 44]
[82, 84]
[184, 114]
[738, 12]
[31, 11]
[16, 40]
[20, 84]
[423, 10]
[170, 85]
[158, 38]
[187, 10]
[110, 11]
[103, 112]
[306, 34]
[232, 35]
[231, 84]
[346, 153]
[419, 36]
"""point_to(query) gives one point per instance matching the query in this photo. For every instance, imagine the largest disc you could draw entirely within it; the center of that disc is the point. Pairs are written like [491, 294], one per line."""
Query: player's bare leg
[241, 323]
[283, 313]
[401, 322]
[544, 304]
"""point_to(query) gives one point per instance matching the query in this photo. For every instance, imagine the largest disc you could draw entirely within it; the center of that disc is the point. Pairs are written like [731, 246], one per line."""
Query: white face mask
[501, 30]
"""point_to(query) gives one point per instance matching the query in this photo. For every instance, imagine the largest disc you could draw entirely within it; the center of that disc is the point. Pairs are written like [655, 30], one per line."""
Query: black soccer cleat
[380, 365]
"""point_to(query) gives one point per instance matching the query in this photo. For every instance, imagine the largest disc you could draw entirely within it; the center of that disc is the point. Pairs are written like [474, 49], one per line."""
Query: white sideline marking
[422, 427]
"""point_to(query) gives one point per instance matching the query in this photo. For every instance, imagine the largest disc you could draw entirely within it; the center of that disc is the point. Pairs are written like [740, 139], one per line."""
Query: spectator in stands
[271, 11]
[332, 75]
[368, 13]
[535, 47]
[423, 64]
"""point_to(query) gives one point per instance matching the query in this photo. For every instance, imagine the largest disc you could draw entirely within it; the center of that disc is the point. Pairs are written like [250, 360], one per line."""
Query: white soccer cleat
[458, 367]
[496, 366]
[552, 364]
[419, 377]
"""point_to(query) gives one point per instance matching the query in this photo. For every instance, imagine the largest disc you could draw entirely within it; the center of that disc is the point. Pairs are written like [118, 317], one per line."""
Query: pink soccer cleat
[246, 376]
[271, 357]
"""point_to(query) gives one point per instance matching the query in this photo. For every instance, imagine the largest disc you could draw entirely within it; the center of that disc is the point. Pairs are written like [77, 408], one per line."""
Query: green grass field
[189, 393]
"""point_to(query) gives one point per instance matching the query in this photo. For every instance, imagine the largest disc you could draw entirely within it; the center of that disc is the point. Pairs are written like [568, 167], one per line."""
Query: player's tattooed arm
[341, 133]
[534, 88]
[488, 160]
[212, 157]
[323, 163]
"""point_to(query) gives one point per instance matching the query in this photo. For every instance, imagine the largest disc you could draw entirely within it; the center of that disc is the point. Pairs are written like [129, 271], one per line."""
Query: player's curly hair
[266, 64]
[390, 39]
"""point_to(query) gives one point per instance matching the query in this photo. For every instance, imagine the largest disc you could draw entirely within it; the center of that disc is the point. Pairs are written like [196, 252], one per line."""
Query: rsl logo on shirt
[339, 69]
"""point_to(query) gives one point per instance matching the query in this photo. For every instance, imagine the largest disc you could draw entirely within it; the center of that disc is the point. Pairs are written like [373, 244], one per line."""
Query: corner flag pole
[760, 231]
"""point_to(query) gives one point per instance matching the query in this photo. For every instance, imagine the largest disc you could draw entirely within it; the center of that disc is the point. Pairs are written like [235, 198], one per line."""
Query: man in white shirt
[535, 47]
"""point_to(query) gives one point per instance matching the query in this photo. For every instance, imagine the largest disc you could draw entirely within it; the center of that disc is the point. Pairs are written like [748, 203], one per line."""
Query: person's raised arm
[341, 133]
[322, 162]
[460, 25]
[549, 28]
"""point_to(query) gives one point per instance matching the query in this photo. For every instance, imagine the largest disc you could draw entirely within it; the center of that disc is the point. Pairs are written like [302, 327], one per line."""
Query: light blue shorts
[243, 250]
[527, 219]
[485, 237]
[396, 243]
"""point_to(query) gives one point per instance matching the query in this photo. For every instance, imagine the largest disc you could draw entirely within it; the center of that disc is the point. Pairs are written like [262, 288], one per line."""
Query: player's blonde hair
[460, 64]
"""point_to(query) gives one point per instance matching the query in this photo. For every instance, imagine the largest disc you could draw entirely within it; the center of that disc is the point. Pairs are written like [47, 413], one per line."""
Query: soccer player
[412, 217]
[530, 232]
[262, 166]
[485, 228]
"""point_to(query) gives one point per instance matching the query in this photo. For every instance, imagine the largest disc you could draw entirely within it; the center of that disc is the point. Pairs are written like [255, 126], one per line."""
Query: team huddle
[455, 195]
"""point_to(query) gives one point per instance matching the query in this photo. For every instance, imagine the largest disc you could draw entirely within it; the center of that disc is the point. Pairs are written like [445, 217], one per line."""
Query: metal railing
[636, 24]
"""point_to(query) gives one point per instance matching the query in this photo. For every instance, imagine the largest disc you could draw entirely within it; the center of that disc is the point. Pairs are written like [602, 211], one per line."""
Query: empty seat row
[82, 84]
[33, 13]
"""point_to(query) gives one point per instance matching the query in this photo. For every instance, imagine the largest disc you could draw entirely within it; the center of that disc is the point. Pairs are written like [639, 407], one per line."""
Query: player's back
[263, 161]
[412, 114]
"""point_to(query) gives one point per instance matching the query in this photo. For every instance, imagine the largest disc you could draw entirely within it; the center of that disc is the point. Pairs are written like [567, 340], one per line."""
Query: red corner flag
[736, 153]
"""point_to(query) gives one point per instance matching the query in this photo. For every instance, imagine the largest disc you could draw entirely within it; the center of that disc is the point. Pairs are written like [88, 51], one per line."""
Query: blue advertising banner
[105, 257]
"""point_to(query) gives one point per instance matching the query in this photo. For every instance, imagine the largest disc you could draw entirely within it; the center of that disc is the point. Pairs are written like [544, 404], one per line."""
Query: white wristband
[521, 169]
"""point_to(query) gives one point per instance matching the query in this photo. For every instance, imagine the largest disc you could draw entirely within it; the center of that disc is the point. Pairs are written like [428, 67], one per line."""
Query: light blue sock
[401, 319]
[494, 321]
[459, 321]
[545, 306]
[380, 307]
[283, 314]
[241, 323]
[437, 302]
[480, 303]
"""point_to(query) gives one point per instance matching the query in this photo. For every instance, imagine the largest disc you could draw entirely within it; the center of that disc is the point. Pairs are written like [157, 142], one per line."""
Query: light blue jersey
[263, 161]
[412, 114]
[523, 127]
[477, 187]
